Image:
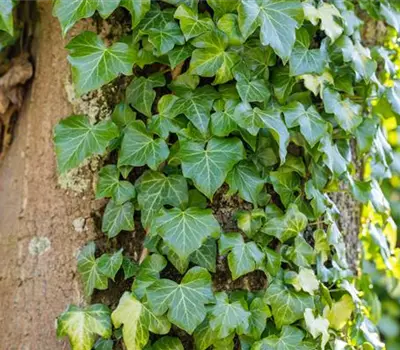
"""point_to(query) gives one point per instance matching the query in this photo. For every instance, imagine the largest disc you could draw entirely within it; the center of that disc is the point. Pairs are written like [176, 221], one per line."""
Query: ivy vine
[266, 98]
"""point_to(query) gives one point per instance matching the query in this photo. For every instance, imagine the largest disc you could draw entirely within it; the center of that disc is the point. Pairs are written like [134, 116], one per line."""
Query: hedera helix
[271, 99]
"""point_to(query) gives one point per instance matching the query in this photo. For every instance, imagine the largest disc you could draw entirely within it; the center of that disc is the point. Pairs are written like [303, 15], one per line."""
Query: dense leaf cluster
[275, 99]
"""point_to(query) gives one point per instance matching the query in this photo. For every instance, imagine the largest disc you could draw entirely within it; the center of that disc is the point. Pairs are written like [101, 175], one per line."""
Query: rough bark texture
[38, 240]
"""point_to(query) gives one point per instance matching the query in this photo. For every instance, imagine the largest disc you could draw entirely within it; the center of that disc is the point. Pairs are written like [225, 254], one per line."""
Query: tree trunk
[38, 241]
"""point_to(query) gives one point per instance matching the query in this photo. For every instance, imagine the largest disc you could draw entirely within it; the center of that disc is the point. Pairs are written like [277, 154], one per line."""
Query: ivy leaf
[248, 88]
[286, 184]
[83, 325]
[287, 306]
[302, 254]
[140, 93]
[291, 338]
[117, 218]
[278, 20]
[130, 314]
[109, 264]
[130, 267]
[184, 231]
[259, 312]
[282, 83]
[312, 126]
[6, 16]
[220, 7]
[328, 14]
[195, 104]
[332, 157]
[185, 301]
[109, 185]
[156, 190]
[243, 257]
[245, 178]
[317, 326]
[179, 54]
[88, 268]
[391, 16]
[103, 344]
[305, 61]
[228, 23]
[340, 312]
[94, 64]
[168, 343]
[206, 256]
[209, 167]
[192, 25]
[76, 139]
[164, 39]
[223, 121]
[226, 317]
[211, 58]
[137, 9]
[347, 114]
[286, 226]
[140, 148]
[123, 115]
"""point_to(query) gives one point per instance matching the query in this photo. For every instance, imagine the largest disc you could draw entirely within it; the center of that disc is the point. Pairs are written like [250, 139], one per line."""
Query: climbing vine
[274, 103]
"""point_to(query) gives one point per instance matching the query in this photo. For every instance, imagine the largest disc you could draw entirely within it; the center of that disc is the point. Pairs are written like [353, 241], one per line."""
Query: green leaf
[287, 306]
[278, 20]
[332, 157]
[123, 115]
[156, 190]
[94, 64]
[211, 58]
[109, 264]
[167, 343]
[229, 24]
[302, 253]
[88, 268]
[250, 89]
[243, 257]
[223, 121]
[117, 218]
[76, 139]
[221, 7]
[226, 316]
[282, 83]
[287, 226]
[312, 126]
[140, 93]
[140, 148]
[138, 9]
[291, 338]
[130, 267]
[179, 54]
[103, 344]
[305, 61]
[250, 221]
[286, 184]
[82, 326]
[245, 178]
[391, 16]
[347, 114]
[206, 256]
[209, 167]
[192, 25]
[130, 313]
[185, 301]
[328, 14]
[6, 16]
[259, 312]
[184, 231]
[109, 185]
[164, 39]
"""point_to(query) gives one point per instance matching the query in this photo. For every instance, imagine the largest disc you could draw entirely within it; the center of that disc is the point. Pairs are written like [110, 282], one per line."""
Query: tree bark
[38, 241]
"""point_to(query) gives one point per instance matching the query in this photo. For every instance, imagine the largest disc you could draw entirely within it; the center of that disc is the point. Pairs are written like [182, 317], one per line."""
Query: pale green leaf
[332, 157]
[185, 301]
[208, 167]
[82, 326]
[192, 24]
[185, 231]
[109, 264]
[76, 139]
[94, 64]
[317, 326]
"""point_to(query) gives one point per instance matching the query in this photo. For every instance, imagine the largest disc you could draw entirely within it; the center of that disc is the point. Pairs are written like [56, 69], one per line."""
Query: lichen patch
[39, 245]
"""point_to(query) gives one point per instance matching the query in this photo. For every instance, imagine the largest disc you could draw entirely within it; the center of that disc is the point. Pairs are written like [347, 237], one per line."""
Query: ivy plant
[268, 102]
